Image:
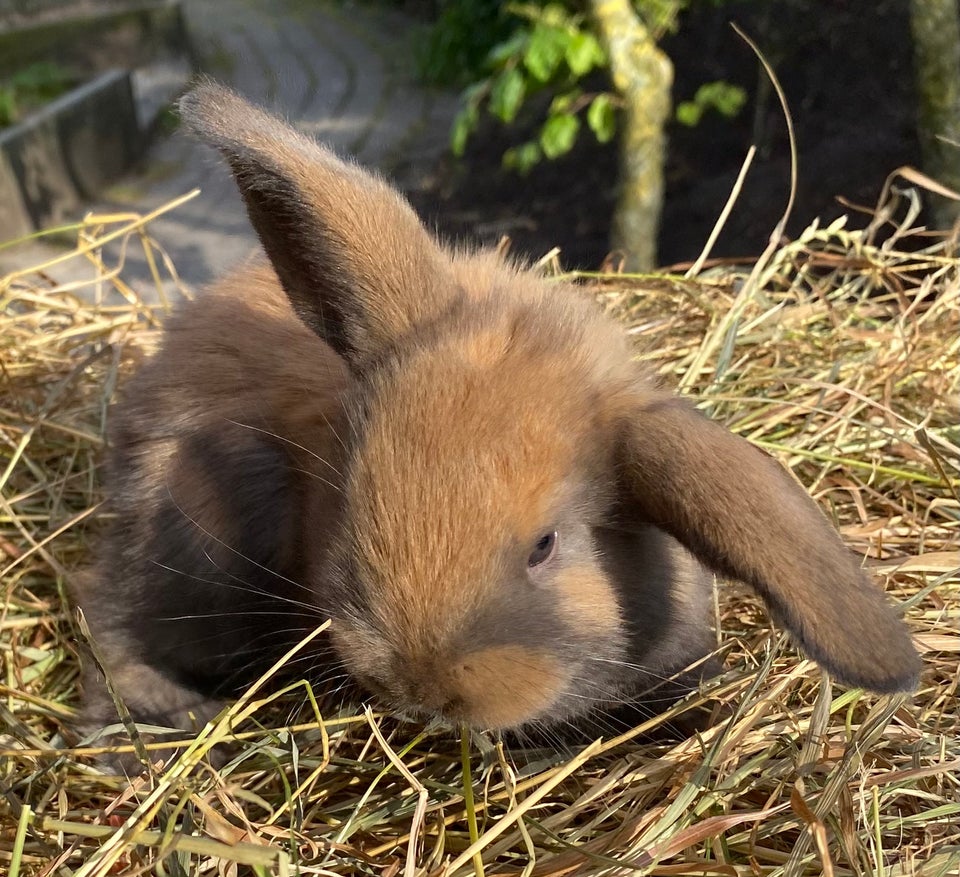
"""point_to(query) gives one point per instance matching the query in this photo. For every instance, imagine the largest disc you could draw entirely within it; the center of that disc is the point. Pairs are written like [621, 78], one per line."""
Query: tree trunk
[643, 76]
[936, 50]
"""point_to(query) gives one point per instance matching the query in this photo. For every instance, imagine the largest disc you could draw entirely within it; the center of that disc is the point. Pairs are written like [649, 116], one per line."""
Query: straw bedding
[837, 353]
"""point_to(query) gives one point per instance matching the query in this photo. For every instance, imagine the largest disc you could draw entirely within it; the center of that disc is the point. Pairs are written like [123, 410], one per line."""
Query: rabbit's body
[210, 456]
[227, 459]
[460, 465]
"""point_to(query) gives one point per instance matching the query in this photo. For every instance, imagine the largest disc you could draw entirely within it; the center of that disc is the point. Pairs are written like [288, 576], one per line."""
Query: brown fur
[376, 431]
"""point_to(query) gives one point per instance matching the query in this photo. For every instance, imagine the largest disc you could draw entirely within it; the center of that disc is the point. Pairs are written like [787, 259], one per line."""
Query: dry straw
[837, 353]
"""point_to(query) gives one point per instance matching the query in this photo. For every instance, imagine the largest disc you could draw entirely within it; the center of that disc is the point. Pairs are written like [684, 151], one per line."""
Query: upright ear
[738, 511]
[354, 260]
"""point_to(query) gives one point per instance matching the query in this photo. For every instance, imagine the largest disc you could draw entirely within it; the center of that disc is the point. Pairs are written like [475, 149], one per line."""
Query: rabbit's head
[501, 440]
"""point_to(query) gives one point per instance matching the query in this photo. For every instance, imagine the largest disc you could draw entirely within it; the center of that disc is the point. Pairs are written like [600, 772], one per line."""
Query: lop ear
[738, 511]
[353, 258]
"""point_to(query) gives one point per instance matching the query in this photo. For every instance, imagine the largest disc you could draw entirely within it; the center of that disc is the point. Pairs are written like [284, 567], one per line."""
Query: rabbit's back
[202, 570]
[237, 351]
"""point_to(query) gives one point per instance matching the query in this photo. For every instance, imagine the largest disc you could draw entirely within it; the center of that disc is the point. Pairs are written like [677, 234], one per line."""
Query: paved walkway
[343, 74]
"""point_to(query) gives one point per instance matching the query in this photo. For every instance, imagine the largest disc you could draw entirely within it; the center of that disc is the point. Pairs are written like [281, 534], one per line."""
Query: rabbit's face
[472, 589]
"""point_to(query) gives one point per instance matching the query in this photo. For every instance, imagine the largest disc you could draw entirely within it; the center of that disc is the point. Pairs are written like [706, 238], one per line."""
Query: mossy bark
[936, 41]
[643, 76]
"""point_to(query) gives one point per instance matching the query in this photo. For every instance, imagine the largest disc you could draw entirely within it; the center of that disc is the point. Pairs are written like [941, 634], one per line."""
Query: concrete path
[343, 74]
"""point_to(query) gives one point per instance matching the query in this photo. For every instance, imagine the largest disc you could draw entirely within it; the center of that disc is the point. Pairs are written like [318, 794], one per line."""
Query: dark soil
[846, 68]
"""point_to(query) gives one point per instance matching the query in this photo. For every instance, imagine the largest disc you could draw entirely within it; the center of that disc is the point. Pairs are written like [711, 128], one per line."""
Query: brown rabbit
[461, 465]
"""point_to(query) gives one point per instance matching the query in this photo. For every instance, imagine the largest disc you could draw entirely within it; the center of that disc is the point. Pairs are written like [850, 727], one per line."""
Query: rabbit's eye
[544, 549]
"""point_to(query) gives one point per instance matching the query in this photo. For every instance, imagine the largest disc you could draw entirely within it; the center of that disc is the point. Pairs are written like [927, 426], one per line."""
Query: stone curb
[67, 152]
[342, 74]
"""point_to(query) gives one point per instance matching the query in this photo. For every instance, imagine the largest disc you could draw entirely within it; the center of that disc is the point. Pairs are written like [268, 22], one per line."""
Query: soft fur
[377, 431]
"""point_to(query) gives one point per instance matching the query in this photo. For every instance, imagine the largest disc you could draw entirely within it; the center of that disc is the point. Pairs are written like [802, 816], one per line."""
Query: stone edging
[64, 154]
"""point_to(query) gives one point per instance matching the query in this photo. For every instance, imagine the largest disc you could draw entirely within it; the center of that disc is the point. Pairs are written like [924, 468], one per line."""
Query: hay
[838, 354]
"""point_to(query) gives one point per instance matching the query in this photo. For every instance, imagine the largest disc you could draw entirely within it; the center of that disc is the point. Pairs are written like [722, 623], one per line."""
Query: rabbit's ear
[357, 265]
[740, 513]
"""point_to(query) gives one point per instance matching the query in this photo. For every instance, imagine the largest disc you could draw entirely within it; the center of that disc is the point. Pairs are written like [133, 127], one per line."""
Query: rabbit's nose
[423, 694]
[436, 701]
[432, 689]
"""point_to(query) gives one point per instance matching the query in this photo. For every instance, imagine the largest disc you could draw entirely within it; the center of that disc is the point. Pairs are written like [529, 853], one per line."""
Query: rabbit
[508, 521]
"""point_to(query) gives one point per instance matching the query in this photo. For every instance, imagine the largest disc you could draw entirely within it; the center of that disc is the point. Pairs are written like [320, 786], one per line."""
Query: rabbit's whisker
[238, 584]
[233, 550]
[292, 444]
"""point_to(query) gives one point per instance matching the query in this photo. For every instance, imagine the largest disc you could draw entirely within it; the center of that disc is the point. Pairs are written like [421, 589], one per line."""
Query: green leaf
[583, 53]
[507, 93]
[563, 102]
[523, 157]
[474, 92]
[8, 106]
[555, 15]
[463, 126]
[688, 113]
[545, 51]
[602, 118]
[660, 16]
[558, 135]
[726, 98]
[528, 11]
[512, 47]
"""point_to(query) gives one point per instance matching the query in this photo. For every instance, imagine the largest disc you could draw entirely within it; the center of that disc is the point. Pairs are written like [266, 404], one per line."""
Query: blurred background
[613, 131]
